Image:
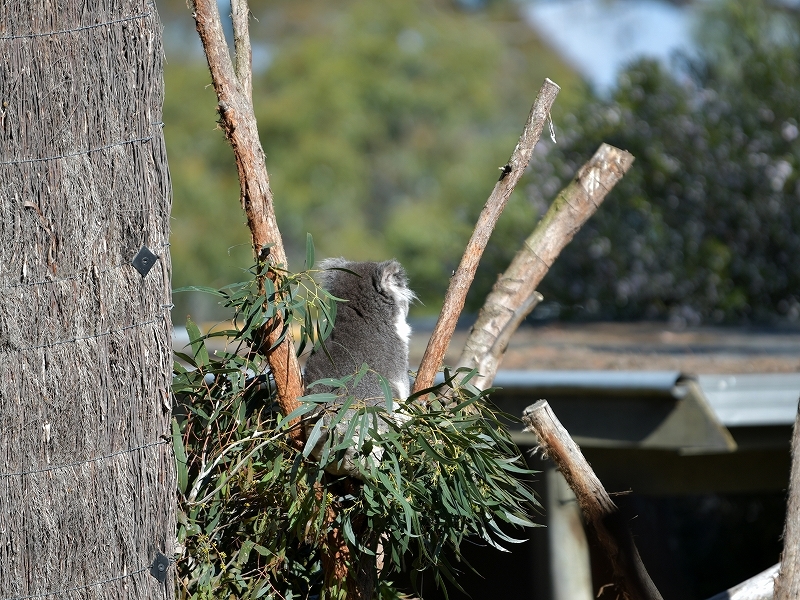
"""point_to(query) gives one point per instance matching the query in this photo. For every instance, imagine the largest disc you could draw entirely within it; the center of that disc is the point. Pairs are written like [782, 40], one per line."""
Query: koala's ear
[329, 272]
[390, 276]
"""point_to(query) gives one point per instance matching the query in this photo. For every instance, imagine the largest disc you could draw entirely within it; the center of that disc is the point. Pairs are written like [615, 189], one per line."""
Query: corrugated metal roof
[753, 400]
[652, 381]
[750, 400]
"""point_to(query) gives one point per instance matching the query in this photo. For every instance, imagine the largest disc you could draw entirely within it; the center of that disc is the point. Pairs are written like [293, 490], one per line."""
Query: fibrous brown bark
[87, 479]
[462, 279]
[233, 86]
[601, 513]
[787, 585]
[514, 295]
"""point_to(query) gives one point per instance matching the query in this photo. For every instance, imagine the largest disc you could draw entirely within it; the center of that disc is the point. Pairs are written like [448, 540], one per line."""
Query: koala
[370, 328]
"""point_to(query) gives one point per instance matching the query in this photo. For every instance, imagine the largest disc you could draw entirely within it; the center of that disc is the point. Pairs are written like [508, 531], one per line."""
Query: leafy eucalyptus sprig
[254, 512]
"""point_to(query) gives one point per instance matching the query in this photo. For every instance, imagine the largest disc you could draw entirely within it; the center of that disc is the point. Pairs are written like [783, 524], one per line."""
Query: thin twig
[241, 44]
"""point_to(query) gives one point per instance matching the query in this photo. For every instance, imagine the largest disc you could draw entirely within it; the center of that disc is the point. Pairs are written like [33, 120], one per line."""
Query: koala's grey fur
[370, 328]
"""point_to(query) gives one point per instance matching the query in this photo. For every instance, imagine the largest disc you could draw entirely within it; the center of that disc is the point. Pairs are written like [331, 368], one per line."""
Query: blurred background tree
[384, 124]
[706, 226]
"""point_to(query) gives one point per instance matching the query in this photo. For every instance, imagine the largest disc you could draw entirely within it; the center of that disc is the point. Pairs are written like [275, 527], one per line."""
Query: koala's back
[370, 327]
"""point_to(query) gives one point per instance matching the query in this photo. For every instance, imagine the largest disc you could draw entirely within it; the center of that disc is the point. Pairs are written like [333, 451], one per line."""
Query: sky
[599, 37]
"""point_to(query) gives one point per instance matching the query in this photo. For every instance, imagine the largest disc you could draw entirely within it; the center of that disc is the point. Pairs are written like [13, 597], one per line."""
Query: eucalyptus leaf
[313, 438]
[309, 251]
[196, 340]
[180, 457]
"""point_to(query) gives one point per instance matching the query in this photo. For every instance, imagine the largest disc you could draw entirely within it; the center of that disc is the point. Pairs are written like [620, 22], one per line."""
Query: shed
[698, 462]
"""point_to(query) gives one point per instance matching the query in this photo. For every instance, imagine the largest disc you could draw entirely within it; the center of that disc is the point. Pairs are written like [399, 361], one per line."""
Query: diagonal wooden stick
[514, 295]
[460, 282]
[601, 513]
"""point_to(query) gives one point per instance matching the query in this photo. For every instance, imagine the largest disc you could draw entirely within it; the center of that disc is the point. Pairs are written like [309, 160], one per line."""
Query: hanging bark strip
[514, 294]
[602, 515]
[234, 93]
[462, 279]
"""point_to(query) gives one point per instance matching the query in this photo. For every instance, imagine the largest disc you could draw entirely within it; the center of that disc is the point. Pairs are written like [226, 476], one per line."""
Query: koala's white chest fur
[403, 297]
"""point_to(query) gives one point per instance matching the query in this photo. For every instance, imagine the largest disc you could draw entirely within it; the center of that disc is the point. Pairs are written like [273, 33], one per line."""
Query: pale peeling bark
[514, 295]
[787, 585]
[758, 587]
[462, 279]
[600, 512]
[234, 92]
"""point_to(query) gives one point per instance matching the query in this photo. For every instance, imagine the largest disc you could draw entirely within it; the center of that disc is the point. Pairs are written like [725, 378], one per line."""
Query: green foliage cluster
[384, 124]
[252, 509]
[706, 225]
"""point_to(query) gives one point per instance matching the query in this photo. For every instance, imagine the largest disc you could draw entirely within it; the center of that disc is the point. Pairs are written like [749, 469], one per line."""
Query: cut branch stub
[514, 294]
[233, 89]
[462, 279]
[602, 515]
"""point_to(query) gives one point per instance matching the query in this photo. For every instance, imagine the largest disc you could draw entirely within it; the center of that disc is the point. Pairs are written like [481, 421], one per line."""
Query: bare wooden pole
[460, 282]
[600, 512]
[514, 294]
[235, 105]
[787, 585]
[758, 587]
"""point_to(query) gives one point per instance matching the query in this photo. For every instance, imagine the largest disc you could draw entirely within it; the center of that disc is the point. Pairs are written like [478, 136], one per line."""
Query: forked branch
[514, 294]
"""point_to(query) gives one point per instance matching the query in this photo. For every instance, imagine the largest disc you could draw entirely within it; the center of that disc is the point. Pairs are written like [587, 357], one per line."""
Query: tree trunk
[86, 476]
[787, 585]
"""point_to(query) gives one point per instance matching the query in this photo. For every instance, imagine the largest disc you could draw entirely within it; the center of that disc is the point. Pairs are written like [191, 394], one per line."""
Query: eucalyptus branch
[234, 93]
[241, 45]
[462, 279]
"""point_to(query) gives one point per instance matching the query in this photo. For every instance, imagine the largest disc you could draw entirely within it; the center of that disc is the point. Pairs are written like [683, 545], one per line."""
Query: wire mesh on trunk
[86, 480]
